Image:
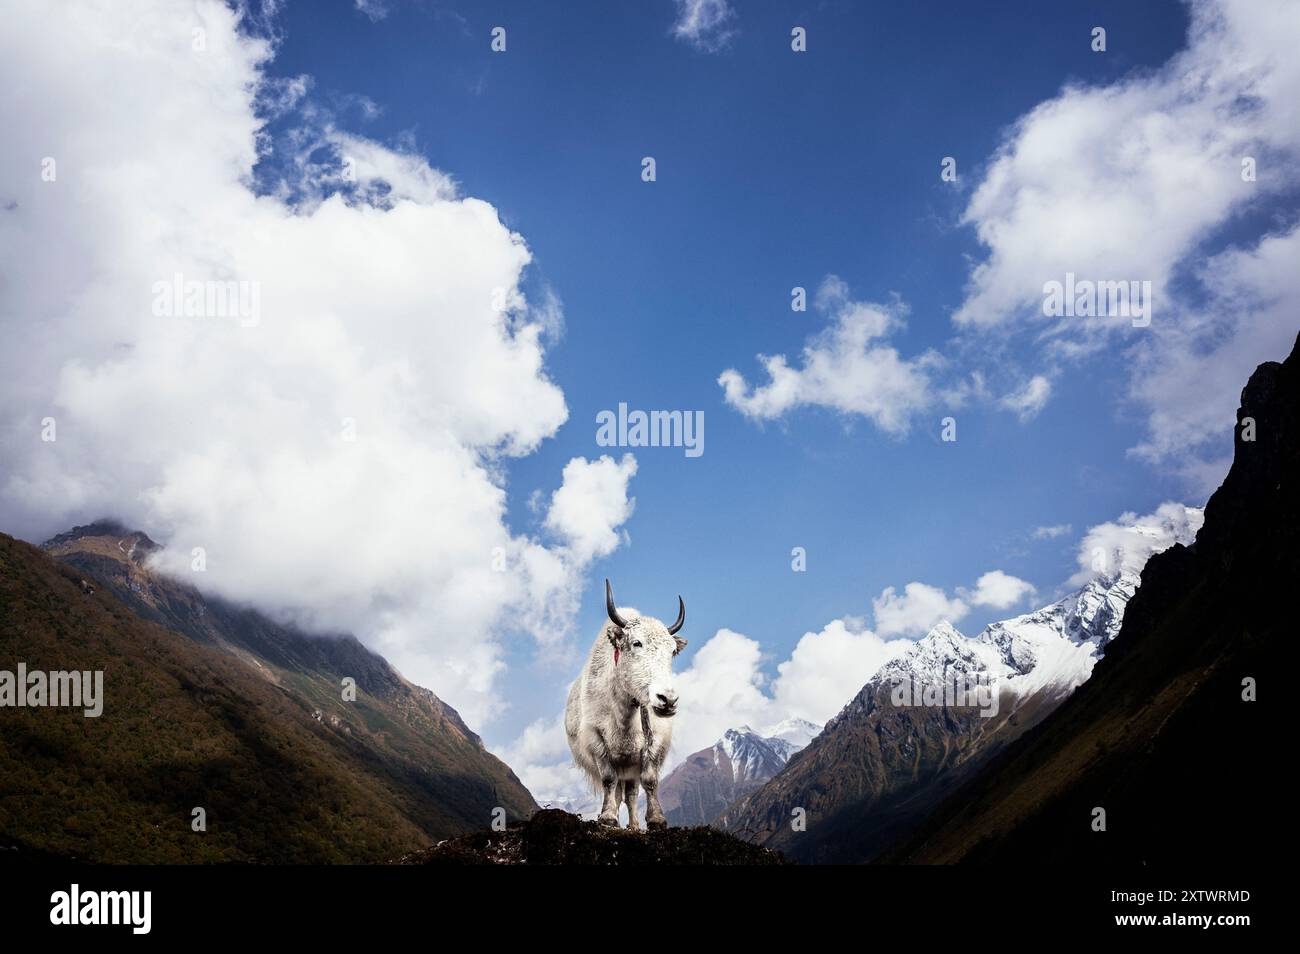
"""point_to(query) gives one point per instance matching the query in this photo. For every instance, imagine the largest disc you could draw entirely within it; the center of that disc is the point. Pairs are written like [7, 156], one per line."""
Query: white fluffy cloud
[338, 453]
[1122, 181]
[705, 24]
[1127, 543]
[1027, 401]
[828, 667]
[1128, 181]
[1000, 590]
[847, 368]
[1191, 382]
[915, 610]
[920, 606]
[723, 687]
[592, 504]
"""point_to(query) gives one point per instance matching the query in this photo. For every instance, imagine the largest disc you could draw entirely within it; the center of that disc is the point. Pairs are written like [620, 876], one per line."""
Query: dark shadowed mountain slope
[209, 705]
[1161, 737]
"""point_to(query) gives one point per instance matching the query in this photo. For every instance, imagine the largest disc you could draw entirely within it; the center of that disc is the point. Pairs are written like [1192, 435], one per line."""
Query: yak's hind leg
[629, 799]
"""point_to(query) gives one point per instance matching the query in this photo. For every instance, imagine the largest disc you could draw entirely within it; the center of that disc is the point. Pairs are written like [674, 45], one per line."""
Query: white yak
[619, 717]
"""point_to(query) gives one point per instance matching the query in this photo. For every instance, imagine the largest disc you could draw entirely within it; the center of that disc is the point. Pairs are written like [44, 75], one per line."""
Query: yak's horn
[681, 617]
[614, 618]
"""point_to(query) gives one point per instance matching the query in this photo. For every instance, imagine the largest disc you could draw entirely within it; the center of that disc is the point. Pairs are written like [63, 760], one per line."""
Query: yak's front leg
[629, 799]
[654, 814]
[609, 804]
[650, 759]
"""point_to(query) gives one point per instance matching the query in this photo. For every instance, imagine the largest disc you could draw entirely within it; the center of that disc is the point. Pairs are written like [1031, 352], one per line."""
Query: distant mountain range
[1173, 745]
[878, 767]
[706, 782]
[212, 705]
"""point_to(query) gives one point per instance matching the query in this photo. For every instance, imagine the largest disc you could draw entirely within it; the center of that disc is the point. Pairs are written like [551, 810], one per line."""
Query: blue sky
[774, 169]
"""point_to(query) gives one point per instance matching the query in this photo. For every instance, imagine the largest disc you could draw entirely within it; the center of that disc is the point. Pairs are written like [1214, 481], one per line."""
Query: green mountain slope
[207, 705]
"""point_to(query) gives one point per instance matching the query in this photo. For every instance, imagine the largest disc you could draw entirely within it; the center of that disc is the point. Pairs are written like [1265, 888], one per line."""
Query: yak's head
[643, 656]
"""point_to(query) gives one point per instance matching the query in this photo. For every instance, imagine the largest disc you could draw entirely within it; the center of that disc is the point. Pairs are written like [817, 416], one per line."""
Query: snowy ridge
[1057, 646]
[1051, 649]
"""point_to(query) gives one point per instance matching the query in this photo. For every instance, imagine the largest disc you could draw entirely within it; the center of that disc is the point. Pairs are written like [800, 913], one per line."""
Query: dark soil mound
[553, 837]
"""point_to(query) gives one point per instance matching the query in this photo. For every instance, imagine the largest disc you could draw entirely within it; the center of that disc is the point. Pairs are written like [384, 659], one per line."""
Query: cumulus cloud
[591, 505]
[920, 606]
[337, 450]
[725, 687]
[1122, 181]
[1192, 381]
[915, 610]
[1027, 401]
[847, 368]
[705, 24]
[828, 667]
[1000, 590]
[1125, 544]
[1129, 182]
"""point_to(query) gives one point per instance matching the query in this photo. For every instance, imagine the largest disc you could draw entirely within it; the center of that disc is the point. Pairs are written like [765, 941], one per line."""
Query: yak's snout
[664, 703]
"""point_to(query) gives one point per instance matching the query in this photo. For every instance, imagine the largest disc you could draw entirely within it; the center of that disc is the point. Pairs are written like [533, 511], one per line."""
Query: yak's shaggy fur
[619, 717]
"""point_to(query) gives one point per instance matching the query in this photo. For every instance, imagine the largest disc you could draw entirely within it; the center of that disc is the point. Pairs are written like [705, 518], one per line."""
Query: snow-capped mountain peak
[738, 763]
[762, 753]
[795, 731]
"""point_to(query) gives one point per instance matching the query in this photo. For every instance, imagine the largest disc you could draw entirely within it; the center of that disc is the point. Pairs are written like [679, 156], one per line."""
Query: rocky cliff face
[1173, 741]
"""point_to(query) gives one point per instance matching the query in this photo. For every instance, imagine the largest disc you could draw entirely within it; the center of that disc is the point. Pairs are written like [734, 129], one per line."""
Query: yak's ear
[681, 644]
[613, 634]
